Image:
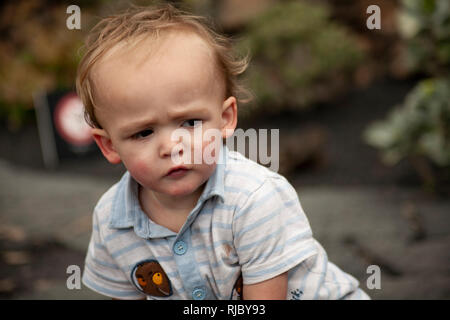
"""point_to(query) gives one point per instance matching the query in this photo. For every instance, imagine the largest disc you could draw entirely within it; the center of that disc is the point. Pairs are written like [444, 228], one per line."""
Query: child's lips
[177, 172]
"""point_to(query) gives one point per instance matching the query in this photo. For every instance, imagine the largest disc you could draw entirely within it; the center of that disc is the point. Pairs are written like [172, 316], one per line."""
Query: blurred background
[363, 114]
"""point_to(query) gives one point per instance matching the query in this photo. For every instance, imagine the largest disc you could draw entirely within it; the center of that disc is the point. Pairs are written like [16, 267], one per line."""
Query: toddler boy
[225, 229]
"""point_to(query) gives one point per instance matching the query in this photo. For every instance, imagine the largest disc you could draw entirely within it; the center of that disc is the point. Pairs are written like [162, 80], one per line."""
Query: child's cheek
[211, 146]
[203, 145]
[139, 169]
[192, 148]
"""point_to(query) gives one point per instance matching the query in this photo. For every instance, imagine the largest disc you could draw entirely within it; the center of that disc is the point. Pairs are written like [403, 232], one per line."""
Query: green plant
[419, 127]
[419, 130]
[37, 52]
[299, 56]
[425, 26]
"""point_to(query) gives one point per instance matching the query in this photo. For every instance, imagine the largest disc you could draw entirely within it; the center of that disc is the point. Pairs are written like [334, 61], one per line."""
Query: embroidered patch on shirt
[149, 277]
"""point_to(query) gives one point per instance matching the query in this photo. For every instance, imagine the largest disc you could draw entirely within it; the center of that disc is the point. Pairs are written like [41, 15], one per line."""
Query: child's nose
[170, 145]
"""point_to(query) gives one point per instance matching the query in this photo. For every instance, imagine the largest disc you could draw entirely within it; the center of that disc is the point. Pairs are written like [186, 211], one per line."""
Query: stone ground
[46, 221]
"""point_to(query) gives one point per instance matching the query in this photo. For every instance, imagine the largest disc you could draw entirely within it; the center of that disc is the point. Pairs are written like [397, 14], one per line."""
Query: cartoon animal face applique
[150, 278]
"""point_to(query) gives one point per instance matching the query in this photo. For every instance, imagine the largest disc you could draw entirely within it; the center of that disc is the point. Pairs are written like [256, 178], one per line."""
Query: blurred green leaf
[296, 50]
[421, 126]
[425, 25]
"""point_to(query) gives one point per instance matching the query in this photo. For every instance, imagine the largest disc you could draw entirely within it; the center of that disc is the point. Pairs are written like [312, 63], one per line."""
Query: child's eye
[192, 123]
[143, 134]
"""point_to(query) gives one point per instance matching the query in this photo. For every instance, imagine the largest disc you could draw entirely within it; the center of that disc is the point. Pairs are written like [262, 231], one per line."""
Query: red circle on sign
[69, 121]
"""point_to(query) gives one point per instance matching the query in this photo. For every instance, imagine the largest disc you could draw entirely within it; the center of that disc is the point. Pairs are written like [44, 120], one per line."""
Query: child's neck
[168, 211]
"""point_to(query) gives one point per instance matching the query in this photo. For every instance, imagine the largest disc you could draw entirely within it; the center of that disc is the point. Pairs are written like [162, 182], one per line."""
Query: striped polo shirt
[247, 226]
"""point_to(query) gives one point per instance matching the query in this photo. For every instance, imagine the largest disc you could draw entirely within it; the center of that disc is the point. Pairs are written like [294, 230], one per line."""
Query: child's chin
[180, 191]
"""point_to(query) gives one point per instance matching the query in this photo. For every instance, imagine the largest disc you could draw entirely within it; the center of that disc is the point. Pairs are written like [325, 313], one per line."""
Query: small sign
[68, 118]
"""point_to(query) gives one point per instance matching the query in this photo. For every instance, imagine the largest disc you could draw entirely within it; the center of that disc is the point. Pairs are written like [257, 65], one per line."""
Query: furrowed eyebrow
[175, 115]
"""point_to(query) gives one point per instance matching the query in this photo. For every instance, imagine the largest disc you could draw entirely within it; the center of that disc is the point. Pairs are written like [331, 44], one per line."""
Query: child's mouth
[177, 172]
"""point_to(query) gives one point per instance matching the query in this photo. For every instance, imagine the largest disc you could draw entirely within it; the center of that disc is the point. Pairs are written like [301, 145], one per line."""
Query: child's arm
[272, 289]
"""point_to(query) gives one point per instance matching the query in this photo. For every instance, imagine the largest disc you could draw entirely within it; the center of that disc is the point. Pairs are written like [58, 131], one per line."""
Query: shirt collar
[215, 185]
[126, 211]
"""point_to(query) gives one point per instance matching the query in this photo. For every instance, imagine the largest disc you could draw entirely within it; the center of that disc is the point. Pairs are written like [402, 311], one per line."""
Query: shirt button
[199, 294]
[180, 247]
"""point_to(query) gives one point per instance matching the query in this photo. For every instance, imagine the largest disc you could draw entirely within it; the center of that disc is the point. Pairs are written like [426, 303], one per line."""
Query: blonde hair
[142, 21]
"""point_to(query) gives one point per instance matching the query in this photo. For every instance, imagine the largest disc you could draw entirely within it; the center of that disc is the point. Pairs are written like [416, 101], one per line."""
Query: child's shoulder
[245, 173]
[104, 204]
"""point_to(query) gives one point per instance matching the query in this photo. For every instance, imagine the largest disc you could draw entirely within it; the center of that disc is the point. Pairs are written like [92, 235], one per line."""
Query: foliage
[421, 126]
[425, 25]
[37, 51]
[298, 55]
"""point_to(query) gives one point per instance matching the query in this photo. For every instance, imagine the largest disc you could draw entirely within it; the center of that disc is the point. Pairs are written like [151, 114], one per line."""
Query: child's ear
[104, 142]
[229, 117]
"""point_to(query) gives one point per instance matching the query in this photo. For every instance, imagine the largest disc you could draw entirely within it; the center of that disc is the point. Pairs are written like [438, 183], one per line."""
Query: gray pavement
[404, 231]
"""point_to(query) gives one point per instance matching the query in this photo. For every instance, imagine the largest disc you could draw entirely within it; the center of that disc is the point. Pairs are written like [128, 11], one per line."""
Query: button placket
[184, 256]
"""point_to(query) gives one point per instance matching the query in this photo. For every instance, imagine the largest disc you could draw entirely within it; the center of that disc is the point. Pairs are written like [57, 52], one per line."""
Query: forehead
[174, 68]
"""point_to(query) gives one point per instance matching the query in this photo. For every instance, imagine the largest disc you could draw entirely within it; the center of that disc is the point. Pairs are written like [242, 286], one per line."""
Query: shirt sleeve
[271, 231]
[318, 279]
[101, 272]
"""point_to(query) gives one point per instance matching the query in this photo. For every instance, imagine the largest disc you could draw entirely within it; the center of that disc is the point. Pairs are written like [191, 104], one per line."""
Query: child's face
[144, 96]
